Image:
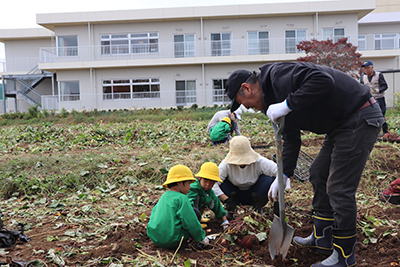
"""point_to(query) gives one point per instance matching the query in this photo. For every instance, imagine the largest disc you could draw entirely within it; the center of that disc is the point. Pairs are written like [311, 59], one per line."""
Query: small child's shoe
[203, 225]
[204, 220]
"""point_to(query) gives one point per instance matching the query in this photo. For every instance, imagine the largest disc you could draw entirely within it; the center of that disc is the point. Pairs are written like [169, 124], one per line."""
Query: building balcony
[196, 52]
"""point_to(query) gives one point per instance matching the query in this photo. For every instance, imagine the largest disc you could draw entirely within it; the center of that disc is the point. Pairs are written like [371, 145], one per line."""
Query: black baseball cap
[233, 85]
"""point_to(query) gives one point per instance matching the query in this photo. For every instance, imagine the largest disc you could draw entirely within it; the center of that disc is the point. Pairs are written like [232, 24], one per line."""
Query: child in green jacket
[201, 194]
[219, 132]
[173, 218]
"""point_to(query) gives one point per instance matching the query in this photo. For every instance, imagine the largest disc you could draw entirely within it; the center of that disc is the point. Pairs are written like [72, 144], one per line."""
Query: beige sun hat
[240, 152]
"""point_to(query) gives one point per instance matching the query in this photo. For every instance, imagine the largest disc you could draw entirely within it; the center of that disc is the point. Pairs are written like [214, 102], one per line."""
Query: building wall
[23, 55]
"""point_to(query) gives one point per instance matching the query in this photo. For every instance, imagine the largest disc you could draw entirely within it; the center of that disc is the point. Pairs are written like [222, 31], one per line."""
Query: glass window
[258, 43]
[333, 33]
[362, 42]
[184, 45]
[69, 91]
[129, 43]
[67, 46]
[385, 41]
[185, 92]
[221, 44]
[219, 96]
[292, 38]
[129, 89]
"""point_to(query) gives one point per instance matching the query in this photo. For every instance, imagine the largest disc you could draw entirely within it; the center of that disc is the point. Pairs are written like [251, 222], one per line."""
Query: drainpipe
[204, 84]
[4, 94]
[91, 86]
[316, 23]
[90, 42]
[201, 35]
[52, 84]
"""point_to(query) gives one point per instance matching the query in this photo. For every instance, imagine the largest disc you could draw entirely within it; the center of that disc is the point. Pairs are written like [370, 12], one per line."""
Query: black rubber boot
[343, 254]
[259, 202]
[321, 238]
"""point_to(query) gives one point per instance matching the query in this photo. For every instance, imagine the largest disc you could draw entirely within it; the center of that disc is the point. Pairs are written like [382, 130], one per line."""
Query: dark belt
[368, 103]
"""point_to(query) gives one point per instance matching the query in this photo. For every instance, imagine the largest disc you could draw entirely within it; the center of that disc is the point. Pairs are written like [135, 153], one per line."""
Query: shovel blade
[280, 238]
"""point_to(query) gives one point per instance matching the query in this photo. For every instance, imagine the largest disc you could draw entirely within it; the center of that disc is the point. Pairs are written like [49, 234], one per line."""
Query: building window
[362, 42]
[185, 92]
[219, 96]
[69, 91]
[292, 38]
[184, 45]
[385, 41]
[131, 89]
[134, 43]
[258, 43]
[333, 33]
[67, 46]
[221, 44]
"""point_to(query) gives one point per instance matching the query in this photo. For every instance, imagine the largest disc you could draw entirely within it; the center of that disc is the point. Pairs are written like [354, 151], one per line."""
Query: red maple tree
[339, 55]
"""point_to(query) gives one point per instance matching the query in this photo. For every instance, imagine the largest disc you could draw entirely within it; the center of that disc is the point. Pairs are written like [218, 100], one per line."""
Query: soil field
[108, 228]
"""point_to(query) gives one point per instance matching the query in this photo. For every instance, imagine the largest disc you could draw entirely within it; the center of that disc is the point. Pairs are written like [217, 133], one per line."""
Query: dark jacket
[321, 99]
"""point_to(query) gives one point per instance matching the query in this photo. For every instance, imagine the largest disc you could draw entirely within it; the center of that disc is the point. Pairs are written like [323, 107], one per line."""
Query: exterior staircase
[24, 86]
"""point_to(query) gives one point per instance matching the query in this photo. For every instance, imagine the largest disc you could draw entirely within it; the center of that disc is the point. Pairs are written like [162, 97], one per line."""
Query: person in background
[219, 132]
[246, 176]
[378, 86]
[234, 116]
[173, 218]
[202, 196]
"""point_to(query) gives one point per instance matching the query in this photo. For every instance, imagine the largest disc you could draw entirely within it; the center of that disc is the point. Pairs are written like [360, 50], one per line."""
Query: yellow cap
[179, 173]
[209, 170]
[228, 120]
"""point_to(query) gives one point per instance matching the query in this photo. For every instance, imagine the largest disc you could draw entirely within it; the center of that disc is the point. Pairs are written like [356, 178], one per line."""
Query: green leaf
[187, 263]
[261, 236]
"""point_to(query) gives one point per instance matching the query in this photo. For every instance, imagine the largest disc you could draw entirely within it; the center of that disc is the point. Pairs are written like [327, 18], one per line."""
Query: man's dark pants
[336, 171]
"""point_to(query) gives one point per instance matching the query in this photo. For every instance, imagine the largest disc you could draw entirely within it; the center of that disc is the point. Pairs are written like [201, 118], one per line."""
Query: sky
[22, 13]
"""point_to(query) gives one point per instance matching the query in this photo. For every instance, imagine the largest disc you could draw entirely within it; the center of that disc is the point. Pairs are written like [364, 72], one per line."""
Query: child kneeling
[201, 194]
[173, 217]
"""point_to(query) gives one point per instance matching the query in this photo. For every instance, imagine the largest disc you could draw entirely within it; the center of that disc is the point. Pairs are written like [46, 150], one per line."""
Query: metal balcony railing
[178, 50]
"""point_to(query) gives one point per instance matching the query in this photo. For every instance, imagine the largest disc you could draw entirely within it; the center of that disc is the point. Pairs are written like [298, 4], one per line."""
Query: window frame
[129, 43]
[219, 97]
[70, 96]
[221, 47]
[66, 50]
[186, 93]
[296, 39]
[186, 48]
[153, 92]
[259, 49]
[334, 36]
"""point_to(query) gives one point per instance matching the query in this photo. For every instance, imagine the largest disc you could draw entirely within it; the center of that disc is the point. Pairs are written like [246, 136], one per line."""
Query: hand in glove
[273, 192]
[225, 224]
[376, 90]
[205, 242]
[275, 111]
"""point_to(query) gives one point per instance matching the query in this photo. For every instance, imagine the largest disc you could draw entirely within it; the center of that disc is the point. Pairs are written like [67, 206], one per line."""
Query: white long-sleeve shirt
[245, 177]
[218, 116]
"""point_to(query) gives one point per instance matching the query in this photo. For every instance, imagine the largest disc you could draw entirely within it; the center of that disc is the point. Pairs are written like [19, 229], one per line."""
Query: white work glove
[376, 90]
[273, 192]
[275, 111]
[225, 224]
[206, 241]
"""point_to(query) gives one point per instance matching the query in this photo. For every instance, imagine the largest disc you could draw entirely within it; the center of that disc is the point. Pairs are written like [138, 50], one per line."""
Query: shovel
[281, 233]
